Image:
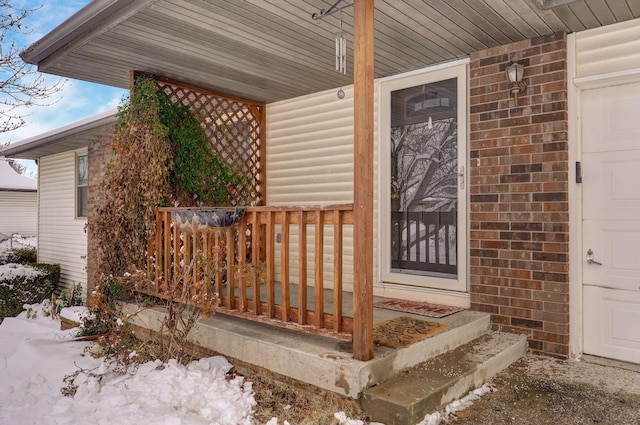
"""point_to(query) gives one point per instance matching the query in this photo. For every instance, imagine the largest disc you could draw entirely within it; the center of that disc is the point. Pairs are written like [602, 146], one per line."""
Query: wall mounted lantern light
[515, 72]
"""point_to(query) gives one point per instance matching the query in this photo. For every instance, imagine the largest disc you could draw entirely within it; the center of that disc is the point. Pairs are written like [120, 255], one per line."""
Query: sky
[79, 99]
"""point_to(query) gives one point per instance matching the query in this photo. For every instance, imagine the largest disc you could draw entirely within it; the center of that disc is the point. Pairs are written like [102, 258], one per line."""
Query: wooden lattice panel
[235, 130]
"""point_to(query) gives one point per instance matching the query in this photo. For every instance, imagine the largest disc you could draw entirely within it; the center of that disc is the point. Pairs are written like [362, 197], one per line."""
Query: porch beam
[363, 179]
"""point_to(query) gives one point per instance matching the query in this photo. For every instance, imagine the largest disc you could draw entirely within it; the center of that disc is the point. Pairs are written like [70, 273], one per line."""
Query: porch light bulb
[340, 93]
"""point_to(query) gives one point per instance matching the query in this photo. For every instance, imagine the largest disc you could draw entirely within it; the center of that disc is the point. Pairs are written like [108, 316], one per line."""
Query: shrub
[26, 284]
[18, 255]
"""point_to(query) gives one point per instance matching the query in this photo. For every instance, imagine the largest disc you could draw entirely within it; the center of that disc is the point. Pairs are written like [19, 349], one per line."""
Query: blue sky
[79, 99]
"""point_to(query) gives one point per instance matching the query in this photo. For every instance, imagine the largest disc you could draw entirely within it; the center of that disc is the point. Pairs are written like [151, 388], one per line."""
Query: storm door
[425, 209]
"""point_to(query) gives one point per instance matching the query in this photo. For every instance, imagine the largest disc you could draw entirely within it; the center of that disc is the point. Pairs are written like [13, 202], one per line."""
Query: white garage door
[611, 221]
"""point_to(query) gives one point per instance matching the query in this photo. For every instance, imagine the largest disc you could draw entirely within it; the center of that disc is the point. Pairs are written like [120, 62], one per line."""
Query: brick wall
[519, 220]
[99, 156]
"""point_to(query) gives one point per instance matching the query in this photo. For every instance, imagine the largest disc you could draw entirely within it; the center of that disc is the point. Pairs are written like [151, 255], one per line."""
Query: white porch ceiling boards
[269, 50]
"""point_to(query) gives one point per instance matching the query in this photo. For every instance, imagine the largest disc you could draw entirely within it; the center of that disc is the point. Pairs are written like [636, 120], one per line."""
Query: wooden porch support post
[363, 180]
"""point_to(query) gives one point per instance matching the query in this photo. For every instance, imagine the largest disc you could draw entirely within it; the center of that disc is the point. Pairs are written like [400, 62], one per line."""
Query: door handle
[590, 259]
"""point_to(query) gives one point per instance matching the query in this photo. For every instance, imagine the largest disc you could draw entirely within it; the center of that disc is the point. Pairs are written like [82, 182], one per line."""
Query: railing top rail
[294, 208]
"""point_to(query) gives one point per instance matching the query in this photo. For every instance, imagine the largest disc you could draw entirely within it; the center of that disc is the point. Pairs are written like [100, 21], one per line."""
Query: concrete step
[408, 397]
[326, 363]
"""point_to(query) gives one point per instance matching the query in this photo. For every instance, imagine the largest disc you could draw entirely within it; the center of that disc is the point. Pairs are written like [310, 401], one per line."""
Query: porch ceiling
[269, 50]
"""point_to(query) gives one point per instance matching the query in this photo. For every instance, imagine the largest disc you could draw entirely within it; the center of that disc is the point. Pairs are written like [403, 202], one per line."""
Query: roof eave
[18, 190]
[24, 148]
[89, 18]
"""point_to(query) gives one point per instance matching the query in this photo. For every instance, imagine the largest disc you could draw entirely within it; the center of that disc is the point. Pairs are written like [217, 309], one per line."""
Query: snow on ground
[35, 357]
[436, 418]
[17, 242]
[9, 272]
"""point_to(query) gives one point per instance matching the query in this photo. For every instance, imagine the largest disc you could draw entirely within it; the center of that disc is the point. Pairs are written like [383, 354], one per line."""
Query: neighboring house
[61, 210]
[535, 194]
[18, 203]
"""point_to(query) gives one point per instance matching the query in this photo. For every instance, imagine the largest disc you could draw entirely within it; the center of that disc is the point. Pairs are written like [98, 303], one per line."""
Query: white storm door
[611, 221]
[423, 157]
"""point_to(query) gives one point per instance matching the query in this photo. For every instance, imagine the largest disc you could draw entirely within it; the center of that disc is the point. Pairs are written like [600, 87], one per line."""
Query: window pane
[424, 156]
[83, 171]
[82, 195]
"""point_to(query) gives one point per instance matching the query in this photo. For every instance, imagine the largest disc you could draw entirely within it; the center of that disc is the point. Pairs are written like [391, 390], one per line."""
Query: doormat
[403, 330]
[424, 309]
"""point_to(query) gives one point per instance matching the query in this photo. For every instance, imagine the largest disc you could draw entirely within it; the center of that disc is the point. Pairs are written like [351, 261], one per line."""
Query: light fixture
[515, 72]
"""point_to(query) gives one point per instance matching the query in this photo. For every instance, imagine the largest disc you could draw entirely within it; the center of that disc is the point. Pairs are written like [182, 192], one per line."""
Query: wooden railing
[424, 241]
[240, 268]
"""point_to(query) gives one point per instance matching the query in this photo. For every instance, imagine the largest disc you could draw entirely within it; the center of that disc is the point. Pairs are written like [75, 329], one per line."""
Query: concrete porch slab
[317, 360]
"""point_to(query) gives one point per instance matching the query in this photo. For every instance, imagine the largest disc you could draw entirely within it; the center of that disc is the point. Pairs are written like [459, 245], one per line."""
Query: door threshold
[418, 293]
[603, 361]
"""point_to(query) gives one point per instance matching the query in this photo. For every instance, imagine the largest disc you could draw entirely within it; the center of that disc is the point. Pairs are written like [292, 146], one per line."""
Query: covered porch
[271, 53]
[267, 265]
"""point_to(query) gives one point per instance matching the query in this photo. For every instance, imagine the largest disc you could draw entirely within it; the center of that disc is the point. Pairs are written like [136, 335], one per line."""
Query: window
[82, 179]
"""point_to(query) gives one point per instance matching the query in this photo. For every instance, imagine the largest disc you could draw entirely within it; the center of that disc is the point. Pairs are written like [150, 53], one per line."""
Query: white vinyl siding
[310, 162]
[310, 150]
[608, 50]
[18, 213]
[61, 238]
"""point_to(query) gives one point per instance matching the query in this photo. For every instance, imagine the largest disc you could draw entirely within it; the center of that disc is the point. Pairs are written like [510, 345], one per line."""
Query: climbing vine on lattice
[234, 128]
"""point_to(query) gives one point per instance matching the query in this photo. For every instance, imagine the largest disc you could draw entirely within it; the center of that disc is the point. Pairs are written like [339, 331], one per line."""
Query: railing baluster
[436, 237]
[255, 260]
[151, 257]
[284, 264]
[447, 238]
[408, 239]
[319, 269]
[194, 258]
[183, 278]
[419, 221]
[176, 249]
[158, 252]
[242, 261]
[302, 268]
[337, 271]
[215, 251]
[427, 237]
[167, 246]
[270, 258]
[231, 265]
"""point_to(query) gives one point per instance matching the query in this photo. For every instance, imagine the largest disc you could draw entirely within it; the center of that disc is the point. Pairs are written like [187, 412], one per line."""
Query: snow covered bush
[19, 256]
[18, 249]
[26, 284]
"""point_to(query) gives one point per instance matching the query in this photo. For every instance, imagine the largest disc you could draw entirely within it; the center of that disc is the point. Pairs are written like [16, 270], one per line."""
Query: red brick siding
[519, 235]
[99, 156]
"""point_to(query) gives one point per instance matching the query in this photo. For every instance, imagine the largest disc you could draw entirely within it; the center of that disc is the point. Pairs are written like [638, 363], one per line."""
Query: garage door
[611, 221]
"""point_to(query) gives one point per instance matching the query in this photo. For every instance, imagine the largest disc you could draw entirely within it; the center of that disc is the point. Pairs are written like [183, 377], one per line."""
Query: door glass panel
[424, 192]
